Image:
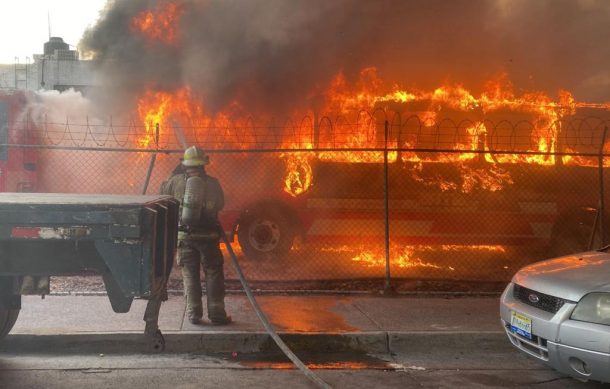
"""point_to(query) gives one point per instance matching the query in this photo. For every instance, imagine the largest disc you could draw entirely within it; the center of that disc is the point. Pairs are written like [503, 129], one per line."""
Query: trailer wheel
[8, 317]
[265, 233]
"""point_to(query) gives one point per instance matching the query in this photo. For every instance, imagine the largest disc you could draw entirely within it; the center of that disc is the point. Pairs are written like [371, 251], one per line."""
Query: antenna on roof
[49, 22]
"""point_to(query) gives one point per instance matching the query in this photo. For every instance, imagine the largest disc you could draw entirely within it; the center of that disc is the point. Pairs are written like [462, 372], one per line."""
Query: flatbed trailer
[129, 240]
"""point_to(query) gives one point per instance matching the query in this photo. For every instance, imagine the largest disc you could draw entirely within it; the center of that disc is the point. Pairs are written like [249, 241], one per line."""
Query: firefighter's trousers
[192, 256]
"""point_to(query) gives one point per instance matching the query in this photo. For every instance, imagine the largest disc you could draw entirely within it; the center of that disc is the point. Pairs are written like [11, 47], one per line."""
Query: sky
[25, 24]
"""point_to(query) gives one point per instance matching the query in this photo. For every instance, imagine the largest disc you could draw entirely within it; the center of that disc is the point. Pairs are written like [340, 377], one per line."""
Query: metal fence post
[599, 215]
[388, 289]
[601, 189]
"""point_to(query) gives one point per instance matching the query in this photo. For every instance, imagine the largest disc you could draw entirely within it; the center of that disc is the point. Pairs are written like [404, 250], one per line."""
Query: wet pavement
[307, 322]
[287, 313]
[402, 341]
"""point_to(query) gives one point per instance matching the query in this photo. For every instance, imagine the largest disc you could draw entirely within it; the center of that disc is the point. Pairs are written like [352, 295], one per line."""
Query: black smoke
[277, 55]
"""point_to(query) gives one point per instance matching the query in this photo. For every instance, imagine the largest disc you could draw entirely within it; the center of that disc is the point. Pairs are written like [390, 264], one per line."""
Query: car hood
[569, 277]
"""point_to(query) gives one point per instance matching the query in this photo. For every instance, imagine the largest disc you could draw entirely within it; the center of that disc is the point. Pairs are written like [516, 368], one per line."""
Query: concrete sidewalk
[317, 322]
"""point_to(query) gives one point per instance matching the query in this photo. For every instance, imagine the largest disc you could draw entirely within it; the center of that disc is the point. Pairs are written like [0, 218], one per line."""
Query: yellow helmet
[194, 156]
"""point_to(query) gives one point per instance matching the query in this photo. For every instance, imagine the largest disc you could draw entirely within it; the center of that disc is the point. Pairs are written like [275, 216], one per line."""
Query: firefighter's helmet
[194, 156]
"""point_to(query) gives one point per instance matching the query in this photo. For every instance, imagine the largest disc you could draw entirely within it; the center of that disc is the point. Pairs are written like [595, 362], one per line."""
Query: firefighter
[199, 244]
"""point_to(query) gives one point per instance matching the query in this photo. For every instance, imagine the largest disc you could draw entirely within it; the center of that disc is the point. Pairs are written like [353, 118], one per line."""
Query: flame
[404, 260]
[152, 115]
[181, 114]
[167, 110]
[497, 97]
[407, 256]
[299, 174]
[159, 24]
[369, 137]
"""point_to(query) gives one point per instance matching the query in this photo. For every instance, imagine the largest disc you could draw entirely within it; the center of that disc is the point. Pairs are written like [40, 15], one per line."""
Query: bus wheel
[265, 234]
[8, 317]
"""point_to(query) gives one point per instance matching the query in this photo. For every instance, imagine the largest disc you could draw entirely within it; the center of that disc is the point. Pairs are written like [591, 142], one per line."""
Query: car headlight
[593, 308]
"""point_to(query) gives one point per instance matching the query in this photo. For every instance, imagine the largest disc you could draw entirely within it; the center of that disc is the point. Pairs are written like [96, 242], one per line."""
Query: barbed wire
[365, 130]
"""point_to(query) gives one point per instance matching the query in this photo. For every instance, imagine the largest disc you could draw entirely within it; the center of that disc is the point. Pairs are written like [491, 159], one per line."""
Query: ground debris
[89, 282]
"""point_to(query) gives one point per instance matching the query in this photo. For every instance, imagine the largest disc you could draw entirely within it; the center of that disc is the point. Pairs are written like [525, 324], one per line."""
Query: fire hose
[263, 318]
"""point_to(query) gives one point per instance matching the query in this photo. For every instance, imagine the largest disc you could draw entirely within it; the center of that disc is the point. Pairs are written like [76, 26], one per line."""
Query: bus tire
[265, 233]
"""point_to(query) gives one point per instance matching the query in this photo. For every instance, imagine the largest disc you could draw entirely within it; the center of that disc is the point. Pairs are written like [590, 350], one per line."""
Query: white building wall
[63, 74]
[56, 74]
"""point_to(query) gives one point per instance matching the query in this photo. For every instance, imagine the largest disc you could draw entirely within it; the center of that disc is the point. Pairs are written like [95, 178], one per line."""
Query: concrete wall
[62, 74]
[55, 73]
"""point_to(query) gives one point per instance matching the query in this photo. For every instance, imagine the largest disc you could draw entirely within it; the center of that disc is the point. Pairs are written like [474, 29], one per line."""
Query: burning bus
[485, 172]
[515, 173]
[480, 173]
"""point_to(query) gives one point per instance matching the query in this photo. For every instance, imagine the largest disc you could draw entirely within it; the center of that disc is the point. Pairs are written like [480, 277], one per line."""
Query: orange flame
[366, 139]
[299, 175]
[407, 256]
[160, 24]
[166, 110]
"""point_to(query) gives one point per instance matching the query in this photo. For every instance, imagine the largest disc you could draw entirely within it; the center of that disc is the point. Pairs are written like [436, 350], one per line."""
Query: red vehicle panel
[17, 164]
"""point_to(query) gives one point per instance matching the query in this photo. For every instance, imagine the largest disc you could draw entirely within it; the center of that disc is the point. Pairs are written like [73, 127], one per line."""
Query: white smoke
[60, 107]
[66, 116]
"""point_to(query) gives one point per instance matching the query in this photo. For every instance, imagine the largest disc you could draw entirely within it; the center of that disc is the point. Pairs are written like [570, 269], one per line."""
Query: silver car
[559, 312]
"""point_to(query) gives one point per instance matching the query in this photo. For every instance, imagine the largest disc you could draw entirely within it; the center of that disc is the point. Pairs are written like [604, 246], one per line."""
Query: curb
[253, 342]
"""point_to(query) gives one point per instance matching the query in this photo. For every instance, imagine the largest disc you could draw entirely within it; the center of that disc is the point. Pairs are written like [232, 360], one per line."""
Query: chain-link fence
[384, 200]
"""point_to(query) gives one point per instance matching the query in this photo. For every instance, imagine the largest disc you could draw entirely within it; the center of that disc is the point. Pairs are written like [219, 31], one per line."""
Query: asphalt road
[46, 369]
